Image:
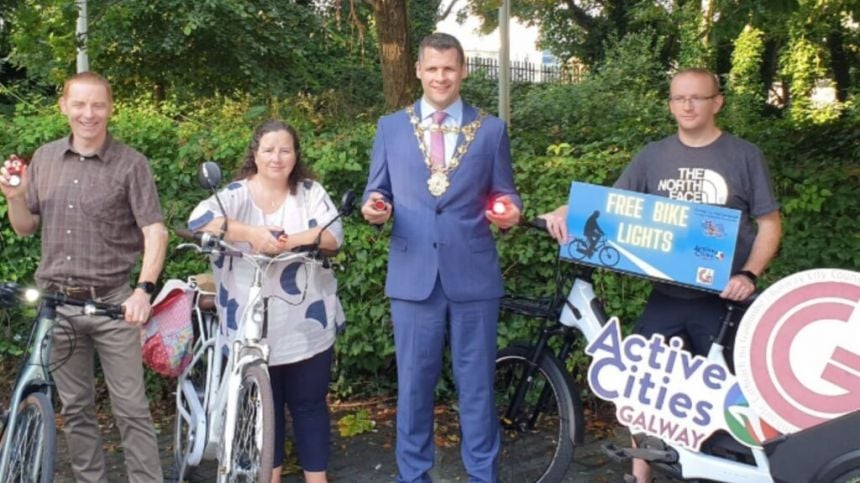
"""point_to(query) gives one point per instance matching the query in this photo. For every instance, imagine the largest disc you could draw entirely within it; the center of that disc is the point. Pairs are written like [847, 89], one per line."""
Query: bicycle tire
[577, 249]
[536, 448]
[851, 476]
[609, 256]
[254, 437]
[34, 442]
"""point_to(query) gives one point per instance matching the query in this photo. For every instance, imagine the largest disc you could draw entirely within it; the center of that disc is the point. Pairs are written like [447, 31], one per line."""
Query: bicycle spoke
[25, 460]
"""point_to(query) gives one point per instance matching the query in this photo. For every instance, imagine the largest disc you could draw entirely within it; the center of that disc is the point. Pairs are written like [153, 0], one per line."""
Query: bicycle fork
[244, 352]
[525, 383]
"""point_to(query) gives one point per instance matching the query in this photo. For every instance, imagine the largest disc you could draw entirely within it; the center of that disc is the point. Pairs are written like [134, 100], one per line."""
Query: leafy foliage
[177, 48]
[746, 89]
[355, 423]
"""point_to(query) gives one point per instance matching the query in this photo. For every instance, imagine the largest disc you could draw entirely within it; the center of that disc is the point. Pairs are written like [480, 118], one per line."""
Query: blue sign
[660, 238]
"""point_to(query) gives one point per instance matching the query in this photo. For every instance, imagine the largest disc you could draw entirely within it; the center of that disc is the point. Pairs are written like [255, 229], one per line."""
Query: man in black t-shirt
[700, 163]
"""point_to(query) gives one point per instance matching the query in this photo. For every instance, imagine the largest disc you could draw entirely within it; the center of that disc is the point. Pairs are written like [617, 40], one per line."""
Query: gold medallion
[438, 183]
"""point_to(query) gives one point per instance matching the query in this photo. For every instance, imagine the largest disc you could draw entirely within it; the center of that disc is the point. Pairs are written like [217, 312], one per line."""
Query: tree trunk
[398, 71]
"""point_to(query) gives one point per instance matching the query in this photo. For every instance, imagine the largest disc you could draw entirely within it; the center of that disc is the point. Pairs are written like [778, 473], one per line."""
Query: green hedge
[814, 167]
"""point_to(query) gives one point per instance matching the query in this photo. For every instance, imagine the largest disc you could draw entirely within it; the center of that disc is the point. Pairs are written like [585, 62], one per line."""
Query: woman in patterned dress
[274, 205]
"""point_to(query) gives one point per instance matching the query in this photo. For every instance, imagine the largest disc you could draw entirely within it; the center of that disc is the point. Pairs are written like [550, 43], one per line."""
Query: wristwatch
[147, 287]
[746, 273]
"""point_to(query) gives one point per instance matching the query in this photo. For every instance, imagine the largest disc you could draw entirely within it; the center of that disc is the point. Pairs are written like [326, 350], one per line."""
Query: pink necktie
[437, 141]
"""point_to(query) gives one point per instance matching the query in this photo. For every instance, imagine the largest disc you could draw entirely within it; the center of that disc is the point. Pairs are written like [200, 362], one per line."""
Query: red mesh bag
[167, 339]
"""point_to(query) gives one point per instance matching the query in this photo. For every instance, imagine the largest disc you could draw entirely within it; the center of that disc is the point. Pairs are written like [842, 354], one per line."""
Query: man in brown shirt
[97, 205]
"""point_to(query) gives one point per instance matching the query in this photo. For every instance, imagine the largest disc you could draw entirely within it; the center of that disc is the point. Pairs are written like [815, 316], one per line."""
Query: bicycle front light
[31, 295]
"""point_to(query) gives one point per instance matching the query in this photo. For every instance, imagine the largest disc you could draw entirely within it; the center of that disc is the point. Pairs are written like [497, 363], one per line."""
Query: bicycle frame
[32, 377]
[579, 311]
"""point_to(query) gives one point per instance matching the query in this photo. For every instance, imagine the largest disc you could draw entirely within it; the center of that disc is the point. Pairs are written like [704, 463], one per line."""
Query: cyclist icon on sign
[592, 230]
[593, 243]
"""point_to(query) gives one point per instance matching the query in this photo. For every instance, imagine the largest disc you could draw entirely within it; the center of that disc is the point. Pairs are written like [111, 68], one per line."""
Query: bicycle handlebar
[206, 242]
[11, 294]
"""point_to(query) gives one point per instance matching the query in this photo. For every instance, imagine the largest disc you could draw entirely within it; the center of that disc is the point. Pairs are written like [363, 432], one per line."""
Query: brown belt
[85, 293]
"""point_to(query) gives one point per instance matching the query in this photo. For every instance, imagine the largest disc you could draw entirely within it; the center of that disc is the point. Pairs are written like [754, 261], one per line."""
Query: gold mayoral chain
[438, 181]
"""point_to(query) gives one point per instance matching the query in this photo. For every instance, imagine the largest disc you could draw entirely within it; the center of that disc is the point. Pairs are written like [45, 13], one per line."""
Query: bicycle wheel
[34, 442]
[609, 256]
[254, 437]
[538, 440]
[577, 249]
[190, 439]
[851, 476]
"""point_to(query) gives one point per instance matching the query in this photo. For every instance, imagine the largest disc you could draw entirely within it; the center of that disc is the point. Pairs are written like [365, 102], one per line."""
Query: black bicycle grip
[538, 223]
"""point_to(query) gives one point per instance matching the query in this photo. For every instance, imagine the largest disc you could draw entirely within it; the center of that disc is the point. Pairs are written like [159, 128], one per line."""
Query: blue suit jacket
[449, 235]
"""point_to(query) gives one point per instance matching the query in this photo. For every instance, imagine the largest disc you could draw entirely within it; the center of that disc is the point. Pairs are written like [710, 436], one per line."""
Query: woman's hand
[263, 239]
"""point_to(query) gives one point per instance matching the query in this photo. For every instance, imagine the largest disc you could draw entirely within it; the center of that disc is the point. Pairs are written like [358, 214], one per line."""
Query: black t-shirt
[730, 172]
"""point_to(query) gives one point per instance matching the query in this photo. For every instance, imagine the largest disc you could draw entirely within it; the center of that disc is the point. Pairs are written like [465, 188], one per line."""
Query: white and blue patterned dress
[304, 309]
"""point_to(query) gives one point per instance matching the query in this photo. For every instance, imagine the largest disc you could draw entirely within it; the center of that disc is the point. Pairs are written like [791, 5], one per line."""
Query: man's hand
[556, 224]
[138, 308]
[6, 172]
[503, 218]
[376, 210]
[739, 288]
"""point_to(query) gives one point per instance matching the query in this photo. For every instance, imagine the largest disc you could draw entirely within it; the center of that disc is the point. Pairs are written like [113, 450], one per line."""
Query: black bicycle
[537, 399]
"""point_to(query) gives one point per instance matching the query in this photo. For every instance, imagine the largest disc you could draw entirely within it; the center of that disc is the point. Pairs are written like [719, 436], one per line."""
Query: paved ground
[368, 457]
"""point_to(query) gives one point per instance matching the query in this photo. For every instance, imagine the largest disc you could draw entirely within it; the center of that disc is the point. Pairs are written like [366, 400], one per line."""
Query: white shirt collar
[454, 111]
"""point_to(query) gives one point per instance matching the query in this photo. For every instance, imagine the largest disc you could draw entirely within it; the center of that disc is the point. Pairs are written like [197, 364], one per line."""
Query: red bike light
[16, 167]
[499, 208]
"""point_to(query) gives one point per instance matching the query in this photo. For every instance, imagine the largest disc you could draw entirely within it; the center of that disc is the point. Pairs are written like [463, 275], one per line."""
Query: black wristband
[746, 273]
[147, 287]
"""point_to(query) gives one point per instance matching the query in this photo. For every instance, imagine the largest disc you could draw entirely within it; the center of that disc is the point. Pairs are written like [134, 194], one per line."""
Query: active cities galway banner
[677, 241]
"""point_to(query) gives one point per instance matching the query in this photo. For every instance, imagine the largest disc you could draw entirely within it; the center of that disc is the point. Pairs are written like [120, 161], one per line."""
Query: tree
[186, 48]
[395, 52]
[577, 28]
[399, 27]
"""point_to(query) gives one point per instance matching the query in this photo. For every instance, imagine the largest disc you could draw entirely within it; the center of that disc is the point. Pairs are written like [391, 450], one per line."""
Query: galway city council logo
[797, 351]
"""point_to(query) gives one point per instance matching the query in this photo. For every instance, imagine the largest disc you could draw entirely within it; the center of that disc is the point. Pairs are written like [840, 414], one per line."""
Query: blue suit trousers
[420, 332]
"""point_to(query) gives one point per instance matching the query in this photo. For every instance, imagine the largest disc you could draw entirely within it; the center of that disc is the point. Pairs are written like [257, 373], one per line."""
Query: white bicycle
[224, 406]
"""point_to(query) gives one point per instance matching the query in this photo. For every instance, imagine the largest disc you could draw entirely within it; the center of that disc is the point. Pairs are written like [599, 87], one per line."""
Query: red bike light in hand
[499, 208]
[15, 168]
[379, 205]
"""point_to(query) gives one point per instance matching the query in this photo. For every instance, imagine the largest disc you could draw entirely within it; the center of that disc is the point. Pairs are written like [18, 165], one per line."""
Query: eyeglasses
[696, 100]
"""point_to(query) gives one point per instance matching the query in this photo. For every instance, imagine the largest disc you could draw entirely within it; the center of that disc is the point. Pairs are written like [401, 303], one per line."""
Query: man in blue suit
[438, 167]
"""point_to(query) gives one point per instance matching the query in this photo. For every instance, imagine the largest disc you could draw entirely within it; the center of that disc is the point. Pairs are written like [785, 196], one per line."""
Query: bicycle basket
[167, 339]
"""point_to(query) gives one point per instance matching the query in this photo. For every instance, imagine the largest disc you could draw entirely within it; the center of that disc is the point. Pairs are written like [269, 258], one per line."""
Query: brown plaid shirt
[92, 209]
